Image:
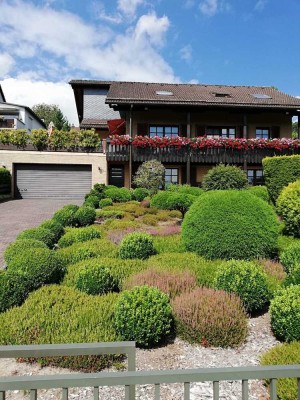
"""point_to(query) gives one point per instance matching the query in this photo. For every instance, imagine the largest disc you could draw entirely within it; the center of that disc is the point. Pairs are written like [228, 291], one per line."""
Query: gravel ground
[177, 355]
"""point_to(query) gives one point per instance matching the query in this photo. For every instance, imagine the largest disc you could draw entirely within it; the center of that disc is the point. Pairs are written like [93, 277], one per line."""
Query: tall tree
[295, 130]
[52, 113]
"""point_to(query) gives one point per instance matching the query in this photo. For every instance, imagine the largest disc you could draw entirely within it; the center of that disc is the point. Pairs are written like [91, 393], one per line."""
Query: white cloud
[209, 7]
[129, 7]
[6, 64]
[99, 12]
[152, 28]
[260, 5]
[27, 92]
[186, 53]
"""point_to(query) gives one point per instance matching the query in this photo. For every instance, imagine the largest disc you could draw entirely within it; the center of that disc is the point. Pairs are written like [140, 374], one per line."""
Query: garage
[58, 181]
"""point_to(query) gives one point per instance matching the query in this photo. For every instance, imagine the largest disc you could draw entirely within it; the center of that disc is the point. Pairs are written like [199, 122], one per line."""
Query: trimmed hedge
[247, 280]
[210, 317]
[66, 215]
[14, 289]
[42, 234]
[285, 314]
[91, 201]
[185, 189]
[173, 201]
[136, 245]
[284, 354]
[85, 215]
[290, 257]
[140, 194]
[279, 172]
[144, 315]
[55, 227]
[225, 177]
[231, 224]
[95, 280]
[288, 207]
[260, 191]
[105, 202]
[118, 195]
[15, 248]
[76, 235]
[58, 314]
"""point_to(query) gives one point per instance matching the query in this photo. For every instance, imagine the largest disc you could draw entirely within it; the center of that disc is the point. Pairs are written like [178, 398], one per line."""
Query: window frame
[256, 180]
[163, 132]
[220, 133]
[261, 136]
[171, 175]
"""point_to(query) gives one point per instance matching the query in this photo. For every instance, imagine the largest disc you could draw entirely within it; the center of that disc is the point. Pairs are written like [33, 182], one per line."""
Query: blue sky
[46, 43]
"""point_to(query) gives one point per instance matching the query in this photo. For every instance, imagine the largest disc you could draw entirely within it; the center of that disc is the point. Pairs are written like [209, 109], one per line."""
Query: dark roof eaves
[29, 110]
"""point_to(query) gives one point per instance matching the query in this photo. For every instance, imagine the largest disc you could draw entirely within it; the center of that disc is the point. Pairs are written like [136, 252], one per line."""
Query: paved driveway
[17, 215]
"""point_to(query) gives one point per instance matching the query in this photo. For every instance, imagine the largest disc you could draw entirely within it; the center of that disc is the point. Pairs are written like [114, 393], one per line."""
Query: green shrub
[210, 317]
[105, 202]
[260, 191]
[40, 266]
[55, 227]
[172, 201]
[39, 139]
[66, 215]
[85, 215]
[19, 138]
[231, 224]
[14, 288]
[290, 257]
[275, 275]
[82, 251]
[140, 194]
[5, 180]
[4, 136]
[143, 314]
[247, 280]
[224, 177]
[136, 245]
[118, 268]
[288, 207]
[58, 314]
[43, 235]
[118, 195]
[284, 242]
[91, 201]
[186, 189]
[171, 283]
[279, 172]
[150, 220]
[75, 235]
[107, 214]
[95, 280]
[168, 244]
[175, 214]
[150, 175]
[111, 224]
[284, 354]
[285, 314]
[14, 248]
[293, 277]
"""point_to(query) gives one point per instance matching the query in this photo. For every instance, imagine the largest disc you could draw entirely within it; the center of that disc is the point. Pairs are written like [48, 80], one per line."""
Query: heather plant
[85, 215]
[66, 215]
[247, 280]
[285, 314]
[276, 275]
[75, 235]
[288, 207]
[231, 224]
[149, 219]
[168, 244]
[55, 227]
[210, 317]
[107, 214]
[150, 175]
[224, 177]
[290, 257]
[41, 234]
[136, 245]
[144, 315]
[15, 248]
[171, 283]
[59, 314]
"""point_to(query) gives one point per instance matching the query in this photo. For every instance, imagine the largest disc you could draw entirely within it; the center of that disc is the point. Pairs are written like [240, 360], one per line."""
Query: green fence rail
[129, 379]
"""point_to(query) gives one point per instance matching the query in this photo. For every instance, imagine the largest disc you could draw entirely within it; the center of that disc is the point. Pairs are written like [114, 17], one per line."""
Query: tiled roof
[192, 94]
[94, 123]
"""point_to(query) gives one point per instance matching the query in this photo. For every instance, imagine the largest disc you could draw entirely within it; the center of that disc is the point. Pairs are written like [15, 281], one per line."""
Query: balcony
[7, 123]
[199, 150]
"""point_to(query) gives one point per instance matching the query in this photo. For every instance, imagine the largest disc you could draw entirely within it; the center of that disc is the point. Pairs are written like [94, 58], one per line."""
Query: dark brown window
[171, 175]
[255, 176]
[163, 130]
[218, 131]
[262, 133]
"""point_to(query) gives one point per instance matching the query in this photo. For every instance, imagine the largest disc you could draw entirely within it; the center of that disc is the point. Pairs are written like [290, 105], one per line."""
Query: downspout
[130, 147]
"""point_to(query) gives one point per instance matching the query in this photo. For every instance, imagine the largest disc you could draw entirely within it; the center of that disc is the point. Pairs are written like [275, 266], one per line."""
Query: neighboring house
[186, 110]
[2, 97]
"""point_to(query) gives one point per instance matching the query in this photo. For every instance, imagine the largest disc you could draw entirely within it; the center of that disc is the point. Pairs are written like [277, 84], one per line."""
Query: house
[220, 113]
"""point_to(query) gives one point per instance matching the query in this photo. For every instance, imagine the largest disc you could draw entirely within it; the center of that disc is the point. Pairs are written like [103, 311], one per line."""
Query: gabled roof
[2, 94]
[199, 95]
[27, 109]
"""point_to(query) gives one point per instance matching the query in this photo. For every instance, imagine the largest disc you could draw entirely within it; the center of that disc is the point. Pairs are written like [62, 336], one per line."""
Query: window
[262, 133]
[171, 175]
[161, 131]
[255, 176]
[217, 131]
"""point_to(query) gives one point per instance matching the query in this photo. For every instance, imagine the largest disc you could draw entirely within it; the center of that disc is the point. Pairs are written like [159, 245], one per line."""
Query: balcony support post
[130, 147]
[245, 136]
[188, 162]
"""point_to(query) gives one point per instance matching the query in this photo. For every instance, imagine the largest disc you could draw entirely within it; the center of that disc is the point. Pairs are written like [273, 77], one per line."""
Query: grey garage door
[52, 181]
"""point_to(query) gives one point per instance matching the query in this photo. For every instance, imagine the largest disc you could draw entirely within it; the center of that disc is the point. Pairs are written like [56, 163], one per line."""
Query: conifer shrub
[90, 249]
[144, 315]
[284, 354]
[285, 314]
[55, 227]
[39, 266]
[136, 245]
[288, 207]
[85, 215]
[290, 257]
[41, 234]
[210, 317]
[94, 279]
[14, 289]
[66, 215]
[76, 235]
[140, 194]
[105, 202]
[14, 248]
[107, 214]
[185, 189]
[118, 195]
[293, 277]
[260, 191]
[58, 314]
[246, 279]
[231, 224]
[225, 177]
[173, 201]
[91, 201]
[171, 283]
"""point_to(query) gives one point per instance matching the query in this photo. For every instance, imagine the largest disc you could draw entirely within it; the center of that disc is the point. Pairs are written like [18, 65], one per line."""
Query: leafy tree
[295, 130]
[150, 175]
[52, 113]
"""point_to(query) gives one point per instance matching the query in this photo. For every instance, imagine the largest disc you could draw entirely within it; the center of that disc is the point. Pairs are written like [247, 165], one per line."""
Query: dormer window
[224, 95]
